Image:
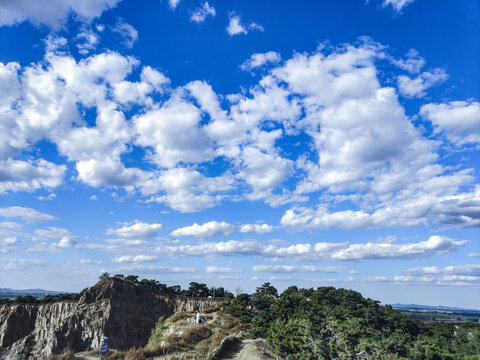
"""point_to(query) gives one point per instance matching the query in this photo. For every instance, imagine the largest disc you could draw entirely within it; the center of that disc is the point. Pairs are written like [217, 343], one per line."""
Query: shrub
[135, 354]
[181, 315]
[194, 334]
[66, 355]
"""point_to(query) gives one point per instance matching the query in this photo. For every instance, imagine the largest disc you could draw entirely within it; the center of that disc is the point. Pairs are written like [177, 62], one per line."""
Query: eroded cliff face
[118, 309]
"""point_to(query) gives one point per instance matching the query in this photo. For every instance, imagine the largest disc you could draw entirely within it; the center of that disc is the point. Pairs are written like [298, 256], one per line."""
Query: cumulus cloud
[296, 269]
[415, 205]
[55, 14]
[460, 120]
[457, 275]
[260, 59]
[206, 230]
[134, 259]
[51, 232]
[90, 262]
[235, 26]
[88, 40]
[201, 13]
[173, 4]
[26, 214]
[19, 175]
[157, 269]
[187, 190]
[139, 230]
[22, 264]
[127, 32]
[397, 5]
[360, 142]
[413, 62]
[435, 245]
[468, 269]
[462, 210]
[221, 270]
[65, 242]
[256, 228]
[415, 88]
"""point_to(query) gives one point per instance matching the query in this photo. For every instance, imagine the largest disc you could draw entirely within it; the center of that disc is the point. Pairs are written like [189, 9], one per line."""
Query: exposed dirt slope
[118, 309]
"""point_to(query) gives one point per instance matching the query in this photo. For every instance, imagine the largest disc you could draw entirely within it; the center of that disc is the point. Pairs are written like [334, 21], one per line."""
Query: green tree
[266, 290]
[104, 276]
[132, 278]
[198, 290]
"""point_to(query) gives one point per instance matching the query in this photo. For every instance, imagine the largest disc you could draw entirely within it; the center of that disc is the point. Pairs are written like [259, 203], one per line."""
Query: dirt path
[246, 350]
[243, 350]
[86, 356]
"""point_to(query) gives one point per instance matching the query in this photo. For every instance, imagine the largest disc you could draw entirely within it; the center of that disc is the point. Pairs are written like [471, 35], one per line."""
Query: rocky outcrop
[118, 309]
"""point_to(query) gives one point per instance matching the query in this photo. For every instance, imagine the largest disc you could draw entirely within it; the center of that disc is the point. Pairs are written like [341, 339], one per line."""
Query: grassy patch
[66, 355]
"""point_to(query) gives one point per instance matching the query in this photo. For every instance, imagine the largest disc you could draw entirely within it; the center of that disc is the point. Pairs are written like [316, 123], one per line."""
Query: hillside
[119, 309]
[303, 324]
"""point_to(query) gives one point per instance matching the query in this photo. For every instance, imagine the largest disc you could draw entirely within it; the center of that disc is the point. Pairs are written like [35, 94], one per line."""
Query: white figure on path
[198, 318]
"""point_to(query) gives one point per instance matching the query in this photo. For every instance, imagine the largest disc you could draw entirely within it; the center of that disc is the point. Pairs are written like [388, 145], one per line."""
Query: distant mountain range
[11, 293]
[429, 307]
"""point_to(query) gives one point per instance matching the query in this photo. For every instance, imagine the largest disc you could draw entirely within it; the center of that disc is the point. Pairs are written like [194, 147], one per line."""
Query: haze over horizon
[235, 143]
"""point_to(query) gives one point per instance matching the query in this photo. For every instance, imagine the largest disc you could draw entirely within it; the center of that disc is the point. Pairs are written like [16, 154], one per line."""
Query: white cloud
[139, 230]
[413, 63]
[19, 175]
[54, 14]
[220, 270]
[468, 269]
[26, 214]
[235, 26]
[206, 230]
[173, 4]
[436, 244]
[398, 5]
[127, 31]
[186, 190]
[263, 171]
[65, 242]
[50, 196]
[200, 14]
[22, 264]
[462, 210]
[90, 40]
[459, 275]
[297, 252]
[134, 259]
[433, 201]
[447, 280]
[173, 132]
[415, 88]
[460, 120]
[257, 228]
[91, 262]
[51, 232]
[157, 269]
[361, 145]
[296, 269]
[260, 59]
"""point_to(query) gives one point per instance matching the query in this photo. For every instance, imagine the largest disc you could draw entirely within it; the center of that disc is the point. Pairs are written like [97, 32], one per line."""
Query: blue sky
[236, 143]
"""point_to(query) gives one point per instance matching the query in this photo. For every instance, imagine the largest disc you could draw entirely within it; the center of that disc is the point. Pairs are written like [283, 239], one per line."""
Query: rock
[124, 312]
